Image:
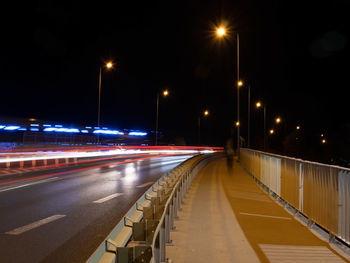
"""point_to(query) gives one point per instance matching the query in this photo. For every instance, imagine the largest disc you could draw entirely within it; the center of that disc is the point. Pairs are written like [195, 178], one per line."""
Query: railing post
[162, 240]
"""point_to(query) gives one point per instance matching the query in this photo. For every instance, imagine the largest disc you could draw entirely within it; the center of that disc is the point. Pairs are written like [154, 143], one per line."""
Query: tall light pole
[259, 105]
[164, 93]
[205, 114]
[249, 116]
[109, 65]
[221, 32]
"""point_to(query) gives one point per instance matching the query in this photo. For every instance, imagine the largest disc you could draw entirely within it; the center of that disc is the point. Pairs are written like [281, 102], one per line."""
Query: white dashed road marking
[33, 225]
[107, 198]
[294, 254]
[144, 185]
[277, 217]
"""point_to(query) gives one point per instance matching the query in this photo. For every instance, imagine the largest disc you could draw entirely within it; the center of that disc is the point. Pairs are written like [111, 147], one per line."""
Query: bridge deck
[227, 217]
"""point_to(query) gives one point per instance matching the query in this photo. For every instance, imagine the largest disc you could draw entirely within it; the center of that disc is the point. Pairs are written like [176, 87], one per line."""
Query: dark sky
[294, 55]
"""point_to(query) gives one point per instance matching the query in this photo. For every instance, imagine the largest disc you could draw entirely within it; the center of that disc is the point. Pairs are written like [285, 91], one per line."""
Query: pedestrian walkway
[227, 217]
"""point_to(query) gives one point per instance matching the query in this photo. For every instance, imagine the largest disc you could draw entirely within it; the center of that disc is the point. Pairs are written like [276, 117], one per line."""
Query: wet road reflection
[87, 204]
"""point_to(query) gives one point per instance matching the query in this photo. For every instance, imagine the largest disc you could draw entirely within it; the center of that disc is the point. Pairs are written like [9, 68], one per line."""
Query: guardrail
[142, 234]
[318, 191]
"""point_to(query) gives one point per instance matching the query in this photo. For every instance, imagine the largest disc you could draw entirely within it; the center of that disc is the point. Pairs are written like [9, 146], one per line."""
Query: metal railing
[142, 234]
[318, 191]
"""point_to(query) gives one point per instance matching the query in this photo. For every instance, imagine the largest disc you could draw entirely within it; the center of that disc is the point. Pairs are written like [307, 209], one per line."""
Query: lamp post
[221, 32]
[205, 113]
[259, 105]
[164, 93]
[249, 116]
[109, 65]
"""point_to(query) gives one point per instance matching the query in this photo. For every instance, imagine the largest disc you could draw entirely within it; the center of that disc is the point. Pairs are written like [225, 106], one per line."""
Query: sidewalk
[226, 217]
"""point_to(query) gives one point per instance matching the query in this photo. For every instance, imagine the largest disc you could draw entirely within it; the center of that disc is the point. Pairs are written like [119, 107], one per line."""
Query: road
[62, 215]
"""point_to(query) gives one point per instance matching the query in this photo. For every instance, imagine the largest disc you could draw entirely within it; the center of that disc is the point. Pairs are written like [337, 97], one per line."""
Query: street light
[205, 114]
[164, 93]
[298, 127]
[221, 32]
[278, 120]
[259, 105]
[272, 131]
[108, 65]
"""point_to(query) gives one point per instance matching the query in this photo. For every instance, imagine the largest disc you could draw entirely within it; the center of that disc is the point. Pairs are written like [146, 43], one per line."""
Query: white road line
[286, 254]
[277, 217]
[29, 184]
[144, 185]
[33, 225]
[107, 198]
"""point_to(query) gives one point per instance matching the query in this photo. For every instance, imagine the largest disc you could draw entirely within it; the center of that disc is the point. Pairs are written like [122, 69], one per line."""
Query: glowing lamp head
[165, 93]
[258, 104]
[206, 113]
[298, 127]
[322, 135]
[278, 120]
[240, 83]
[221, 31]
[109, 65]
[237, 123]
[272, 131]
[324, 141]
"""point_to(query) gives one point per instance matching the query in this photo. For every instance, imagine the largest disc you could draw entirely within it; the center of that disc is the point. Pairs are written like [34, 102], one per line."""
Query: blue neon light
[22, 129]
[84, 131]
[47, 125]
[49, 129]
[59, 126]
[109, 132]
[137, 133]
[73, 130]
[34, 129]
[2, 126]
[11, 128]
[88, 127]
[34, 125]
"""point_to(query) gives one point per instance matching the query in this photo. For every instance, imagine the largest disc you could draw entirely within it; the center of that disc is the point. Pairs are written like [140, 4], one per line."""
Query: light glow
[221, 31]
[137, 133]
[108, 132]
[109, 65]
[11, 128]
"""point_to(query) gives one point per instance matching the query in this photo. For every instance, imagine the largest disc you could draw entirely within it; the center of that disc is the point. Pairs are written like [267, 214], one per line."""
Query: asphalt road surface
[62, 215]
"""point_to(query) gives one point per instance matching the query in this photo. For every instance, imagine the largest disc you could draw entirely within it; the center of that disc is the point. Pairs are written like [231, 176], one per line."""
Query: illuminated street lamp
[278, 120]
[221, 32]
[323, 141]
[237, 124]
[272, 131]
[259, 105]
[164, 93]
[108, 65]
[205, 114]
[298, 127]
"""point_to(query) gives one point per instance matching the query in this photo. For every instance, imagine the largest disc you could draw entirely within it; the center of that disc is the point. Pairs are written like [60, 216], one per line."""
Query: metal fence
[143, 233]
[318, 191]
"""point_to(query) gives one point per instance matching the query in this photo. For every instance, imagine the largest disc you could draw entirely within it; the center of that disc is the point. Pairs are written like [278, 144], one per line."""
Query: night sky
[294, 55]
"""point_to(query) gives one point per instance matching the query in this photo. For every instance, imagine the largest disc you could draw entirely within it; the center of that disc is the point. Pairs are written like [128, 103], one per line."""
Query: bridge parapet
[318, 191]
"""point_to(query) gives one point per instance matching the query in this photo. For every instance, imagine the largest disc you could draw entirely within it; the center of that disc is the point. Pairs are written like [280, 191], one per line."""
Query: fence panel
[321, 192]
[344, 206]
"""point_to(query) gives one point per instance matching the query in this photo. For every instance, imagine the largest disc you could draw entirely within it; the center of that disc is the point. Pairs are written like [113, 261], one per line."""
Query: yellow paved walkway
[227, 217]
